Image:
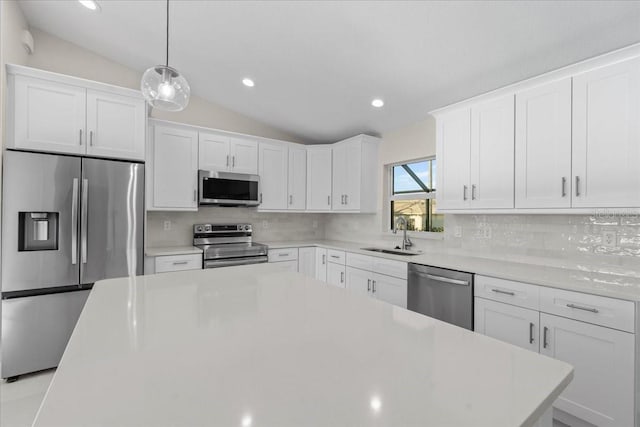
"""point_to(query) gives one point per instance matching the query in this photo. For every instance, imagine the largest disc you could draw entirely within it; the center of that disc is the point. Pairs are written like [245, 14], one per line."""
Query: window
[413, 195]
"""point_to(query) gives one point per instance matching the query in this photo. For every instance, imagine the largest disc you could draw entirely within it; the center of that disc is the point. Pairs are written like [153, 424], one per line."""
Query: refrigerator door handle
[83, 222]
[74, 223]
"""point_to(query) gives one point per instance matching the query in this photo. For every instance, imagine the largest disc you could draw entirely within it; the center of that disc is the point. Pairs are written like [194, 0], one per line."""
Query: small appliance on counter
[228, 244]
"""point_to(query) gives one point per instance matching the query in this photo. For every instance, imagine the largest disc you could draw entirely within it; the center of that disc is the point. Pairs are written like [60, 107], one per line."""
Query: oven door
[228, 189]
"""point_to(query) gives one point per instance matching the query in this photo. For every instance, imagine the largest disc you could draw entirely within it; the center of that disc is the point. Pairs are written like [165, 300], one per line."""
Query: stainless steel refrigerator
[67, 222]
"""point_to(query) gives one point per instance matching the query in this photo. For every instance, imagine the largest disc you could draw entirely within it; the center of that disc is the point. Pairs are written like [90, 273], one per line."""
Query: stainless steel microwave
[228, 189]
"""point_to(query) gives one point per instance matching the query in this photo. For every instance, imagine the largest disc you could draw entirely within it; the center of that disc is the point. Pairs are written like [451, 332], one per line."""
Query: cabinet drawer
[336, 257]
[609, 312]
[390, 267]
[178, 263]
[363, 262]
[284, 254]
[516, 293]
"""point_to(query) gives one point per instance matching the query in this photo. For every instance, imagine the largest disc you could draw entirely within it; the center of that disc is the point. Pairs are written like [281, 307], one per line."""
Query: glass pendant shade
[165, 88]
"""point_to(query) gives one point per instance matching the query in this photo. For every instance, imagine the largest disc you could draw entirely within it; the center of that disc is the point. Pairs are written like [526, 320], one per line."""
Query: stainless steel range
[228, 244]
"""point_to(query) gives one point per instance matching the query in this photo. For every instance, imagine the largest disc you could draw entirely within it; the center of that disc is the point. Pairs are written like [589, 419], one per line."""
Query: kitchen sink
[391, 251]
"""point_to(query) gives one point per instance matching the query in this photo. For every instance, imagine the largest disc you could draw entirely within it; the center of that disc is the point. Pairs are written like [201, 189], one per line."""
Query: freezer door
[39, 221]
[35, 330]
[111, 223]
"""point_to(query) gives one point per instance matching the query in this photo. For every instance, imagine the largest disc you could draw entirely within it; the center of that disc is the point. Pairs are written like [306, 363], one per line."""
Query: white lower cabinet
[602, 390]
[594, 334]
[389, 289]
[515, 325]
[287, 258]
[336, 274]
[359, 280]
[307, 261]
[321, 264]
[379, 278]
[168, 263]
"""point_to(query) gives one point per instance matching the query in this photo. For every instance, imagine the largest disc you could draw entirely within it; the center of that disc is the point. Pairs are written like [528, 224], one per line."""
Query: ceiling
[318, 64]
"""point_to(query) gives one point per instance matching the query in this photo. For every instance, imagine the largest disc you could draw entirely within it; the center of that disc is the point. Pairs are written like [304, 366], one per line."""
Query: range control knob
[207, 228]
[198, 229]
[247, 227]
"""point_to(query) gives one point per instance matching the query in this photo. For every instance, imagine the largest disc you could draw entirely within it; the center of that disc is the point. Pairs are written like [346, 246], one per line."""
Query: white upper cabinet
[355, 168]
[47, 116]
[273, 176]
[319, 177]
[453, 153]
[173, 169]
[492, 148]
[297, 184]
[115, 125]
[229, 153]
[213, 152]
[55, 113]
[543, 146]
[606, 136]
[244, 155]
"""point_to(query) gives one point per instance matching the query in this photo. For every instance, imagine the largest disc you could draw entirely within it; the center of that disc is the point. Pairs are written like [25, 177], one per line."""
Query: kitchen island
[259, 346]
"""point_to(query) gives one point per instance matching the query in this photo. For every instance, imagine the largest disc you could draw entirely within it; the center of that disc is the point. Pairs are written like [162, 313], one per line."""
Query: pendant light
[164, 87]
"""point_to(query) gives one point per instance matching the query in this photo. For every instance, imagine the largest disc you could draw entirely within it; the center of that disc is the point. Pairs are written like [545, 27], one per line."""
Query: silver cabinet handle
[545, 331]
[329, 200]
[373, 286]
[579, 307]
[464, 192]
[180, 262]
[227, 160]
[346, 199]
[368, 285]
[500, 291]
[290, 199]
[83, 221]
[448, 280]
[342, 277]
[195, 195]
[91, 138]
[80, 136]
[564, 186]
[283, 254]
[473, 192]
[531, 325]
[260, 197]
[233, 161]
[324, 259]
[74, 222]
[577, 186]
[342, 199]
[335, 256]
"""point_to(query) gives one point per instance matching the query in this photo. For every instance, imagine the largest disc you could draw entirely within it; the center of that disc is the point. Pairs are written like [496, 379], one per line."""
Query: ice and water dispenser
[38, 231]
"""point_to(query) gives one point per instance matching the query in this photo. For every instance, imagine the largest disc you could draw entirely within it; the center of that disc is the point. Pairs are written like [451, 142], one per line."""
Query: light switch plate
[167, 225]
[609, 239]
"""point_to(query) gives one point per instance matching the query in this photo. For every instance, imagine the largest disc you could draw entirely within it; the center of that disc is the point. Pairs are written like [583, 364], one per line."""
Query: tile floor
[20, 400]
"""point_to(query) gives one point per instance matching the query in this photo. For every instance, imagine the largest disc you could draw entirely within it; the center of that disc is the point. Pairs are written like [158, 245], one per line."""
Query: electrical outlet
[265, 224]
[315, 224]
[167, 225]
[487, 232]
[457, 231]
[609, 239]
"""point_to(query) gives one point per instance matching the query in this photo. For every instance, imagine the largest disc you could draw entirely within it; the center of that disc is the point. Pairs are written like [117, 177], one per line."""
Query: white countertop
[581, 277]
[172, 250]
[258, 346]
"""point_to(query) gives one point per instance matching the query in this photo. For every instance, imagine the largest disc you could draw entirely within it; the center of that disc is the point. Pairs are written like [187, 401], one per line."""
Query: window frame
[390, 197]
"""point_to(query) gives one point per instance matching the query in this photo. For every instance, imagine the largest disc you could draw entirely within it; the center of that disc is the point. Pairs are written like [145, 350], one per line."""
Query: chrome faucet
[406, 242]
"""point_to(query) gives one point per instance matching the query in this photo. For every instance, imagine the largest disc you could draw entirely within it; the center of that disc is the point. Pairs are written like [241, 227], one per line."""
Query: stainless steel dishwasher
[443, 294]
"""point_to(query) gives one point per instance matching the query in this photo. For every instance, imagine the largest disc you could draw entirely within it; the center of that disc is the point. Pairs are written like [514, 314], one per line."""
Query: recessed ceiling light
[377, 102]
[90, 4]
[248, 82]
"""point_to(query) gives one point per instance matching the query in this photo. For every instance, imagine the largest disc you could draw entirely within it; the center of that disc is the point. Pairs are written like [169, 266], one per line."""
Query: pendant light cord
[167, 63]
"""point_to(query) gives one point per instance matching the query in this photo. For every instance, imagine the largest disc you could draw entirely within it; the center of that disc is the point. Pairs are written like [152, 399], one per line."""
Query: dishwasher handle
[444, 279]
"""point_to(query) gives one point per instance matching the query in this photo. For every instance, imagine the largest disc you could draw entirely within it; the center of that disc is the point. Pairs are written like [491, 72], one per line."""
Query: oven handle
[236, 261]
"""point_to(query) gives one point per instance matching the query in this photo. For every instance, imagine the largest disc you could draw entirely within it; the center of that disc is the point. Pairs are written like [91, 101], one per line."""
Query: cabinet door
[453, 147]
[336, 275]
[319, 178]
[339, 177]
[307, 261]
[515, 325]
[543, 146]
[244, 156]
[175, 167]
[48, 116]
[389, 289]
[359, 281]
[214, 152]
[115, 125]
[352, 174]
[606, 136]
[602, 389]
[291, 266]
[297, 181]
[273, 176]
[321, 264]
[492, 151]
